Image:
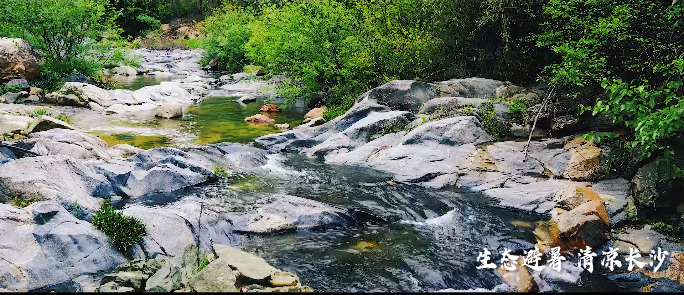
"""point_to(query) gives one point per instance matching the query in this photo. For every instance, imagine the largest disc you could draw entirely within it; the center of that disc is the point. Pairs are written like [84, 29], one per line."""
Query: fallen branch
[534, 125]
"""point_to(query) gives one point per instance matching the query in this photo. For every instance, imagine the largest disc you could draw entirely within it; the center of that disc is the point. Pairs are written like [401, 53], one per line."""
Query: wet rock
[44, 245]
[283, 279]
[586, 225]
[259, 119]
[520, 279]
[215, 277]
[169, 110]
[315, 113]
[249, 266]
[469, 87]
[19, 83]
[535, 196]
[675, 270]
[646, 239]
[246, 99]
[12, 123]
[6, 155]
[269, 108]
[17, 60]
[282, 126]
[58, 178]
[283, 212]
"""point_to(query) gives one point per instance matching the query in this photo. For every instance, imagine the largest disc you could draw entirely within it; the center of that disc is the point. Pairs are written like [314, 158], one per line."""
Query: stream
[407, 239]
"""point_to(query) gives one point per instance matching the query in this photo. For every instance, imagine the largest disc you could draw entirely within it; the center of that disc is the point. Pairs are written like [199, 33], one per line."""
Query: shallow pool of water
[137, 82]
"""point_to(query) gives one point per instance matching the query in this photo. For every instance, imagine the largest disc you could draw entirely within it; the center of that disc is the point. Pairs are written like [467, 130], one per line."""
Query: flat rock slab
[249, 265]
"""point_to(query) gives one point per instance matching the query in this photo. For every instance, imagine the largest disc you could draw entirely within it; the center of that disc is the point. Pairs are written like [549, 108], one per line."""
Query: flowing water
[408, 238]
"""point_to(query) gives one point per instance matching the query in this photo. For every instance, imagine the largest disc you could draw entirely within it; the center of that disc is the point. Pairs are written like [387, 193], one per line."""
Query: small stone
[317, 121]
[21, 83]
[282, 126]
[283, 278]
[269, 108]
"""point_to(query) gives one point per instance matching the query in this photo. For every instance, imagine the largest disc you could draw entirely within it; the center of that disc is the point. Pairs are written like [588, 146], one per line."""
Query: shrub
[225, 36]
[123, 230]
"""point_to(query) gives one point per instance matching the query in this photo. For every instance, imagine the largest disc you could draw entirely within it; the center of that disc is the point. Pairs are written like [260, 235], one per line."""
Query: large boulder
[651, 186]
[248, 265]
[58, 178]
[44, 123]
[401, 95]
[87, 92]
[215, 277]
[283, 212]
[586, 225]
[169, 110]
[71, 143]
[44, 245]
[584, 160]
[17, 60]
[470, 87]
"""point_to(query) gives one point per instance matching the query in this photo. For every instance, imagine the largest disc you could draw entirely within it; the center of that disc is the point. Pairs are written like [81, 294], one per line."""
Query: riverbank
[433, 188]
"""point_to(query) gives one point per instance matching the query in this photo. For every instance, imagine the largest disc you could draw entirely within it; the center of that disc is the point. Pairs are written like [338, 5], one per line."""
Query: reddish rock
[269, 108]
[259, 119]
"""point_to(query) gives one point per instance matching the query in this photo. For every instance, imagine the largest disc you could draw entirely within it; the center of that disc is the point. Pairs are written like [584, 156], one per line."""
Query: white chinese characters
[585, 259]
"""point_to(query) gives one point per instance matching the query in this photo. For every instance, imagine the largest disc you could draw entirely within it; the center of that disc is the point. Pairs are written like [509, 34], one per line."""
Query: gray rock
[470, 87]
[248, 265]
[242, 76]
[215, 277]
[283, 212]
[6, 155]
[651, 184]
[452, 131]
[58, 178]
[10, 97]
[21, 83]
[167, 231]
[124, 71]
[401, 95]
[616, 196]
[44, 245]
[169, 110]
[44, 123]
[123, 280]
[71, 143]
[646, 239]
[536, 196]
[79, 78]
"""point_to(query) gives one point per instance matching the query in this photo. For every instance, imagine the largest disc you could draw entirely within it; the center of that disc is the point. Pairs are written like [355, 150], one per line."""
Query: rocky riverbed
[398, 194]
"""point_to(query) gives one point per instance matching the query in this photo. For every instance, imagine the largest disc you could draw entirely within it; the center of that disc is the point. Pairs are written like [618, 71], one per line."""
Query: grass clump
[669, 230]
[123, 230]
[22, 202]
[220, 172]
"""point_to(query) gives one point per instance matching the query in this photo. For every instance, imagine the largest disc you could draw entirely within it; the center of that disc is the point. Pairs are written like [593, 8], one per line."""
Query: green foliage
[6, 89]
[76, 36]
[220, 172]
[517, 108]
[490, 122]
[668, 230]
[21, 202]
[139, 17]
[336, 50]
[123, 230]
[76, 209]
[37, 113]
[225, 36]
[627, 55]
[202, 263]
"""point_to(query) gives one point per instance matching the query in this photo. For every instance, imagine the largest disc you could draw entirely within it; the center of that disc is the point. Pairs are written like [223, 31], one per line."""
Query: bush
[225, 36]
[123, 230]
[623, 59]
